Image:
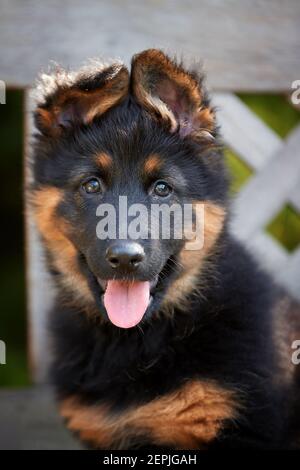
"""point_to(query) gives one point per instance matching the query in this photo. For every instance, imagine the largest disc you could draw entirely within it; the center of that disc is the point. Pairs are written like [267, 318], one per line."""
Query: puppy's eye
[162, 189]
[92, 186]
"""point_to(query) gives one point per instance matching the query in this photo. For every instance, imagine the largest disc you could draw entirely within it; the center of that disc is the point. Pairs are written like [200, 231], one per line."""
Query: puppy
[160, 341]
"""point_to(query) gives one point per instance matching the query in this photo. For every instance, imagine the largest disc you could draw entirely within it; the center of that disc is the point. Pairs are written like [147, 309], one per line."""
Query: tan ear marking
[166, 89]
[67, 98]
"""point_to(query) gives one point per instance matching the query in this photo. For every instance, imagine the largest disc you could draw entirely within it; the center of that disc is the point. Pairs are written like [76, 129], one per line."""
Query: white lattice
[276, 182]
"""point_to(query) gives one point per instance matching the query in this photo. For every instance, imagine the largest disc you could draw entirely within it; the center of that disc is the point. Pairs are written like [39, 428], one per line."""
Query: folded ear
[172, 94]
[66, 98]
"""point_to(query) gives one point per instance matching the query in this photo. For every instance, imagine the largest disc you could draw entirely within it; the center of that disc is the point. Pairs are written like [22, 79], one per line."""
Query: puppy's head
[127, 173]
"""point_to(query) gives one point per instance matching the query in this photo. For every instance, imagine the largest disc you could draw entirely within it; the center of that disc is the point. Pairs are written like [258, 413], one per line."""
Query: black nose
[125, 255]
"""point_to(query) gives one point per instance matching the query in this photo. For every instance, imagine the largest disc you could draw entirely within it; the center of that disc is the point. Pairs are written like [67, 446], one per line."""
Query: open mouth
[128, 302]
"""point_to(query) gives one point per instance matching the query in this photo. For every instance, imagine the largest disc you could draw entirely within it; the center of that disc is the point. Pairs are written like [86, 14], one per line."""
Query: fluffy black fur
[226, 331]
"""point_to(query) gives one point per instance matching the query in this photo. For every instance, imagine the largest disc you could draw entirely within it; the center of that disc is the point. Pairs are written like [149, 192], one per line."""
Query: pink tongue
[126, 302]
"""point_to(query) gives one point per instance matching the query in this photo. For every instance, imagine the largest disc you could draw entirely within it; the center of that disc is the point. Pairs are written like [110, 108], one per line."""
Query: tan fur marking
[152, 164]
[100, 101]
[191, 261]
[205, 119]
[155, 59]
[104, 161]
[88, 103]
[54, 232]
[152, 72]
[188, 418]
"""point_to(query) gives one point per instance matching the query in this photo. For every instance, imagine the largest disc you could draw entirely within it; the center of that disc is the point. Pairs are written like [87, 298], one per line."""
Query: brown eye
[162, 189]
[92, 186]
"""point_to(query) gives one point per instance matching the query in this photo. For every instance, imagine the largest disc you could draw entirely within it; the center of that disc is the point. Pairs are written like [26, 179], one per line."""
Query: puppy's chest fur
[190, 417]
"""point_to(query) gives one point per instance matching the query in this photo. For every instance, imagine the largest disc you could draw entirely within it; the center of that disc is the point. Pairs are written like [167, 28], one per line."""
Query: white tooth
[103, 284]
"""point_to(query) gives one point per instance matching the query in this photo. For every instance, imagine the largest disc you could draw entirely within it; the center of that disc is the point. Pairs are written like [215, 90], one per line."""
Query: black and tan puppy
[156, 345]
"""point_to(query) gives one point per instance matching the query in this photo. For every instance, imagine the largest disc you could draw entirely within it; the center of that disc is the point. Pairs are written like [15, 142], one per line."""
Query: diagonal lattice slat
[269, 189]
[276, 182]
[246, 134]
[295, 196]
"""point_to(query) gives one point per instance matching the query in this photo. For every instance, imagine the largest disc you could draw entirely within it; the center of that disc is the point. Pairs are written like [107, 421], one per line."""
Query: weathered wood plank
[39, 284]
[245, 45]
[29, 420]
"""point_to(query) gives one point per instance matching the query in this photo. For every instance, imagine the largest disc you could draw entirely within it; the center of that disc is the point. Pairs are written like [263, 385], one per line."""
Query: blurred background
[12, 269]
[147, 19]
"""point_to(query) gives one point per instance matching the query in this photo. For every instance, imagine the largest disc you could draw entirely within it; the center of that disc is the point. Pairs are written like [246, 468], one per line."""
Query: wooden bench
[246, 46]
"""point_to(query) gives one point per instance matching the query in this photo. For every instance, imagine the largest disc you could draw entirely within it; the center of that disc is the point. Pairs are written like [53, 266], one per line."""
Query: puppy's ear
[172, 94]
[66, 99]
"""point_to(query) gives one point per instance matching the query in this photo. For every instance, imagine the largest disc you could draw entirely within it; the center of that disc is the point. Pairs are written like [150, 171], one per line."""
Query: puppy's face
[119, 166]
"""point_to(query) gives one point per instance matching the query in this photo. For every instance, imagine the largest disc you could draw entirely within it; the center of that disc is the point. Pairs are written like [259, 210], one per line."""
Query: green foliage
[239, 170]
[274, 110]
[285, 227]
